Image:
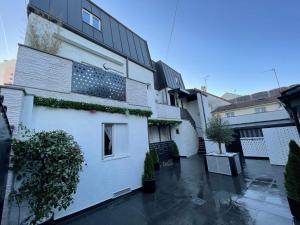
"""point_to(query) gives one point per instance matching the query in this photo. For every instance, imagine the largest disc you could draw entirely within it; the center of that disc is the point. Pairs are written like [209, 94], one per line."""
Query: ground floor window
[108, 139]
[115, 140]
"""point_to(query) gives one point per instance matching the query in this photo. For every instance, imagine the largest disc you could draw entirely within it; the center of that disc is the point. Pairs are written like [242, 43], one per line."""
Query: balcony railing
[90, 80]
[258, 117]
[168, 112]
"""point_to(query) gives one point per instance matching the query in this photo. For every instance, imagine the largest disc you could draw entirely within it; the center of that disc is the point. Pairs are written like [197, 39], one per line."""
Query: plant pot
[176, 159]
[149, 186]
[156, 166]
[295, 208]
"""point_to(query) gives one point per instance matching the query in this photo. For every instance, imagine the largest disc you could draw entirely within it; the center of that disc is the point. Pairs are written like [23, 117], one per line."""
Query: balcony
[49, 73]
[168, 111]
[257, 118]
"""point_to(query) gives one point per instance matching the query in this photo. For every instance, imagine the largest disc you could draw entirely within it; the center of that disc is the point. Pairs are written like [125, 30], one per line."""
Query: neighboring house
[259, 120]
[230, 96]
[100, 85]
[7, 71]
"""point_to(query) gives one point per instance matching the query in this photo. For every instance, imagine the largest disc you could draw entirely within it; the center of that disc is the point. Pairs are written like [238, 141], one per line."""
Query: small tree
[154, 156]
[47, 166]
[219, 132]
[148, 168]
[174, 151]
[292, 172]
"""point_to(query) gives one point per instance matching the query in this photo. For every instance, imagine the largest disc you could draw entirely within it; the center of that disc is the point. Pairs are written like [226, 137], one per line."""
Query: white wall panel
[254, 147]
[277, 142]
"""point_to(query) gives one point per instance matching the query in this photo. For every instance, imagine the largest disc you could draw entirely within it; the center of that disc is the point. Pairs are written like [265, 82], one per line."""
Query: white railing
[258, 117]
[167, 111]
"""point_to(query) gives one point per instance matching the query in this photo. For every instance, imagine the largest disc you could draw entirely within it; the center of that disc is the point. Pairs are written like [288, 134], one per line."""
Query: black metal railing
[94, 81]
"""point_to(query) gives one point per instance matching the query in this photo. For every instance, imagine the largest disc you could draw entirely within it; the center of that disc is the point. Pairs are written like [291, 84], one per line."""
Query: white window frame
[91, 19]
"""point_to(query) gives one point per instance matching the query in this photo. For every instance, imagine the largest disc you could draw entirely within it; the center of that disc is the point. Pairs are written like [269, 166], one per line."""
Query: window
[91, 19]
[115, 140]
[260, 110]
[230, 114]
[250, 133]
[108, 140]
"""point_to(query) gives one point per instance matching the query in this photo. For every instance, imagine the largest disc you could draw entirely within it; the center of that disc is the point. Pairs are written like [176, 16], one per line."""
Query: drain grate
[198, 201]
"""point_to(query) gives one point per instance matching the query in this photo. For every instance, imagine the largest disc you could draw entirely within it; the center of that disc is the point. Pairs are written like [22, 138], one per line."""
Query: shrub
[219, 132]
[148, 168]
[47, 165]
[154, 156]
[292, 172]
[174, 150]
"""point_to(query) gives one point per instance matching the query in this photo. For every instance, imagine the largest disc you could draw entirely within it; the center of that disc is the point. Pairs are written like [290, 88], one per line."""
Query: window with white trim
[115, 140]
[260, 110]
[91, 19]
[230, 114]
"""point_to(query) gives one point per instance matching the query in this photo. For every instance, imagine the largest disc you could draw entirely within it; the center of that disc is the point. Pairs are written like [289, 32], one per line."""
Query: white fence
[277, 143]
[254, 147]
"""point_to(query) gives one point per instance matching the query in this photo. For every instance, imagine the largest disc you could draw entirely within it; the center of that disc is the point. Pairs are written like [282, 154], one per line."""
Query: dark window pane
[107, 139]
[96, 23]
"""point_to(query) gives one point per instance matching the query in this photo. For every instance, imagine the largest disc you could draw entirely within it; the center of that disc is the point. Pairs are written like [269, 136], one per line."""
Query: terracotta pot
[149, 186]
[295, 208]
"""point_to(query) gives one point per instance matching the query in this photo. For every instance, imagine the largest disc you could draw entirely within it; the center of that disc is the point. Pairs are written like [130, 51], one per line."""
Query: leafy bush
[47, 165]
[219, 132]
[148, 168]
[154, 156]
[174, 150]
[292, 172]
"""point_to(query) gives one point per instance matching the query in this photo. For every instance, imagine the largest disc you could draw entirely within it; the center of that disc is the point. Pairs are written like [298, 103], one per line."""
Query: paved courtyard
[188, 195]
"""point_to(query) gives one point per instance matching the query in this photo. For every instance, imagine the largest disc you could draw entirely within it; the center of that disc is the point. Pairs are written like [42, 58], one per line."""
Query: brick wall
[41, 70]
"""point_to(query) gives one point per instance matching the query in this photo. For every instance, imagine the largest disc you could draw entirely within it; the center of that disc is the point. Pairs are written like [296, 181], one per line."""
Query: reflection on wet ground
[188, 195]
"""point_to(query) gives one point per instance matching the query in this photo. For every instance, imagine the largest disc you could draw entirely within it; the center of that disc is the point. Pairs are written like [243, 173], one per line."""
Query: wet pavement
[188, 195]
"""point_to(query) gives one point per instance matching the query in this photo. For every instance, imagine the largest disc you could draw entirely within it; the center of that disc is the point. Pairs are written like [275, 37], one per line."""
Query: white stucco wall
[187, 139]
[212, 147]
[100, 178]
[168, 112]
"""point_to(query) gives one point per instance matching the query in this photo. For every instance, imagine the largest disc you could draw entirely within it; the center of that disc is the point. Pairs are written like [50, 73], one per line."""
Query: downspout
[203, 110]
[295, 115]
[170, 133]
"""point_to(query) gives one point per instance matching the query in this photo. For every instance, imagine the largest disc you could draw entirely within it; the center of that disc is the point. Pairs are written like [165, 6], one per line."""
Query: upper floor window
[230, 114]
[91, 19]
[260, 110]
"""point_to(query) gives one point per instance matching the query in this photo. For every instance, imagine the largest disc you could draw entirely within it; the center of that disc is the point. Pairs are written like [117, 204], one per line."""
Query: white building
[90, 59]
[262, 126]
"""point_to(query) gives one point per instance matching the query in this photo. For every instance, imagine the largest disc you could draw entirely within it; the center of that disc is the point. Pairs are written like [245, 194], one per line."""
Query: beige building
[7, 71]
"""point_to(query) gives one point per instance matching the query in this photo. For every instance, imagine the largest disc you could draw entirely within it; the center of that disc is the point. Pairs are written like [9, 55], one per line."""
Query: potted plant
[148, 177]
[175, 153]
[292, 179]
[155, 159]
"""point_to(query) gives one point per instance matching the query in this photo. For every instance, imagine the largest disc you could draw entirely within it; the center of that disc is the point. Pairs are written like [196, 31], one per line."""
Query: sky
[231, 41]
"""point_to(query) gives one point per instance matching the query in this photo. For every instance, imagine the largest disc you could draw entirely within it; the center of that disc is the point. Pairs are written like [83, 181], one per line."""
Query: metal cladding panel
[132, 45]
[116, 35]
[124, 40]
[172, 78]
[59, 9]
[106, 29]
[145, 53]
[43, 5]
[87, 29]
[74, 9]
[138, 49]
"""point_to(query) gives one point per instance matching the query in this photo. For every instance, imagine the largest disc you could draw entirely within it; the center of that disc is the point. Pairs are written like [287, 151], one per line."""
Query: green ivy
[163, 122]
[47, 165]
[64, 104]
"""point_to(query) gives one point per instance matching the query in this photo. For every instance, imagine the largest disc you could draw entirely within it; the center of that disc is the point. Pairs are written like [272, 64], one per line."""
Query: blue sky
[232, 41]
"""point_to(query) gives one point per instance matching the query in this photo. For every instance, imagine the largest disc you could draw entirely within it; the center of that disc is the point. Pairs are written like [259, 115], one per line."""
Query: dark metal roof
[246, 104]
[166, 76]
[114, 35]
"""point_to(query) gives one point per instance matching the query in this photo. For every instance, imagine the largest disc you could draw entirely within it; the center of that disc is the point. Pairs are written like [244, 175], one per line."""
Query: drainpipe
[203, 110]
[159, 134]
[170, 133]
[127, 69]
[296, 119]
